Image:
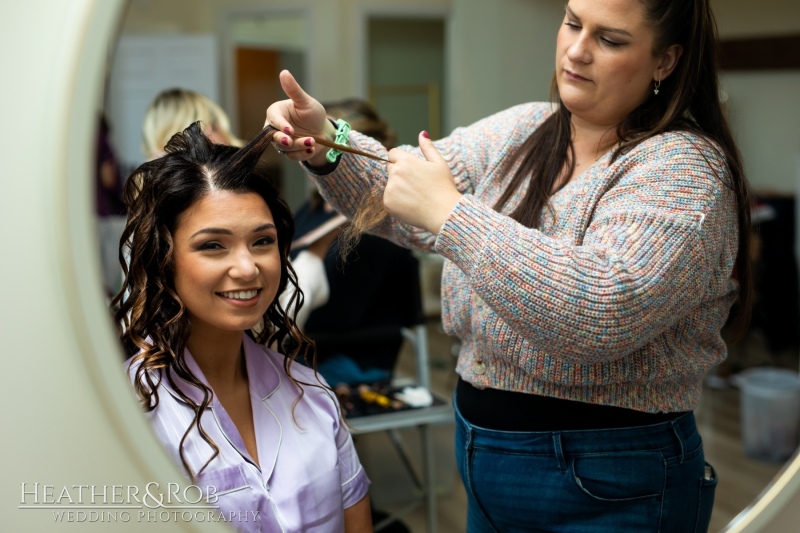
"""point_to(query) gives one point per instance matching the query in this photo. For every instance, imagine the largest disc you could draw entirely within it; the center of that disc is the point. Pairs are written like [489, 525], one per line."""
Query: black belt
[518, 411]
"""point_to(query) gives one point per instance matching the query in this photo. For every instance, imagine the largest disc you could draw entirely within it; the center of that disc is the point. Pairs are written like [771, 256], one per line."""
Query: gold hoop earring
[658, 84]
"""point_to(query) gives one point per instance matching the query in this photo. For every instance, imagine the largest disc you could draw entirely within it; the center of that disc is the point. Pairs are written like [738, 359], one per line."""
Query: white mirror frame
[777, 508]
[65, 399]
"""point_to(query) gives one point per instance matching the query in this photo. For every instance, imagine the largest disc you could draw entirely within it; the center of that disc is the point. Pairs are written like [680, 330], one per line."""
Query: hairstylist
[595, 247]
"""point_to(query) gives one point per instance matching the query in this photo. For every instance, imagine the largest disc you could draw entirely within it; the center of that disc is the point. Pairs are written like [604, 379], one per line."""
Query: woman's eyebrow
[262, 227]
[606, 29]
[223, 231]
[212, 231]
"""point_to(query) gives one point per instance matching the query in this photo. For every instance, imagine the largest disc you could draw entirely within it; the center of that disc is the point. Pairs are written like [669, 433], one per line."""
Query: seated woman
[372, 297]
[209, 238]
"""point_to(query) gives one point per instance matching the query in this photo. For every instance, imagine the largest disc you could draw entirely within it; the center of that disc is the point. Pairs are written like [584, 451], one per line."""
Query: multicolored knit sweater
[618, 299]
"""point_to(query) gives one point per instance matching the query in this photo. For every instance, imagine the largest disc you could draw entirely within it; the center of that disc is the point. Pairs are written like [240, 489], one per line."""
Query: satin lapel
[265, 375]
[221, 417]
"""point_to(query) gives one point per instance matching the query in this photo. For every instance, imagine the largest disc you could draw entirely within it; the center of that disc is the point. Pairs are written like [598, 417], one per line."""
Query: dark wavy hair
[151, 318]
[688, 101]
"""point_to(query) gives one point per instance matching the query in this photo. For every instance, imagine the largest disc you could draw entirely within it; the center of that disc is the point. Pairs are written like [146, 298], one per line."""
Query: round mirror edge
[99, 347]
[772, 501]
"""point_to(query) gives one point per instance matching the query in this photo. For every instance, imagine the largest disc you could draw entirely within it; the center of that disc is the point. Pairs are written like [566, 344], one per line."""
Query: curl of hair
[370, 214]
[688, 101]
[152, 321]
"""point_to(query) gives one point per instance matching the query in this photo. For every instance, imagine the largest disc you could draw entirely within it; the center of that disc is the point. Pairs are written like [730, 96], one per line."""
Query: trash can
[770, 412]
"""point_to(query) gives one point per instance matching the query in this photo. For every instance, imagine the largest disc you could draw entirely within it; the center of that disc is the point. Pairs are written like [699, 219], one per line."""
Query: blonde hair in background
[173, 110]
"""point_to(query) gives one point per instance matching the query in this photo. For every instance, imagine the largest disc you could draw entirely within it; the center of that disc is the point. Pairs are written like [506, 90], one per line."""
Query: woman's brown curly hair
[153, 322]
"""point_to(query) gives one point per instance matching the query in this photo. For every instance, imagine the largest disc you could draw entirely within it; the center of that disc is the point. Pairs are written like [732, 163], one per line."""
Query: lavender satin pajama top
[309, 470]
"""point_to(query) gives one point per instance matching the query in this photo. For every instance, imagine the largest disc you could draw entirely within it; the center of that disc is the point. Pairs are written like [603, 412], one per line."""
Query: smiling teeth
[240, 295]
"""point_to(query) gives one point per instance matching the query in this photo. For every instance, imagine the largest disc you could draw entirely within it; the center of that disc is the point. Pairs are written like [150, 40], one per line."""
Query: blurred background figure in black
[358, 331]
[109, 206]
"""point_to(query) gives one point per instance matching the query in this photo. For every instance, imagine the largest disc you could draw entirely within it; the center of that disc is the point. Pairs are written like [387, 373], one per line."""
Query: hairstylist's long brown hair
[688, 100]
[151, 318]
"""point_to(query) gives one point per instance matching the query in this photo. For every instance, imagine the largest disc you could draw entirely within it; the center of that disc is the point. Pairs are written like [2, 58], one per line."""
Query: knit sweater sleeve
[645, 259]
[471, 152]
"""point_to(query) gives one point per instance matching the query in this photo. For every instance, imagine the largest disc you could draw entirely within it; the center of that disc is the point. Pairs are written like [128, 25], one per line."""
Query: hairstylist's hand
[300, 113]
[420, 192]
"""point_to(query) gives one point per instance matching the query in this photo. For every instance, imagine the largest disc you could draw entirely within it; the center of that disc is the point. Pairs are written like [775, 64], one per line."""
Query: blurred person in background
[361, 285]
[110, 208]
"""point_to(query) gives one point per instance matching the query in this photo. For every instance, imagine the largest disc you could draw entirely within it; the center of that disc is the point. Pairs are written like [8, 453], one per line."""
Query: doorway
[406, 73]
[257, 45]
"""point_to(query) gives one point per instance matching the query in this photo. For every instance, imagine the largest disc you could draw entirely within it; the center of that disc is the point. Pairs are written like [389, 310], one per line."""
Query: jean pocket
[705, 500]
[620, 477]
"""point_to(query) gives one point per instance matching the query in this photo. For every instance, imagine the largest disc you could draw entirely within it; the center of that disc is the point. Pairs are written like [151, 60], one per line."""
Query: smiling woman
[227, 263]
[208, 239]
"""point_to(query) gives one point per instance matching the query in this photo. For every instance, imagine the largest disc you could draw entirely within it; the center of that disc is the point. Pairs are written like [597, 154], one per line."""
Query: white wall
[502, 54]
[333, 30]
[764, 109]
[142, 67]
[738, 19]
[764, 105]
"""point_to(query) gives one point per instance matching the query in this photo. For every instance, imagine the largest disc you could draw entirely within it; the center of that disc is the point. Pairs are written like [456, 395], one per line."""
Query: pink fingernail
[309, 151]
[307, 142]
[285, 141]
[425, 134]
[287, 131]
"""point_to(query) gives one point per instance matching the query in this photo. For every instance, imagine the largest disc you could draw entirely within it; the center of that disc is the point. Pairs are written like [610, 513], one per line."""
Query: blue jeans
[643, 479]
